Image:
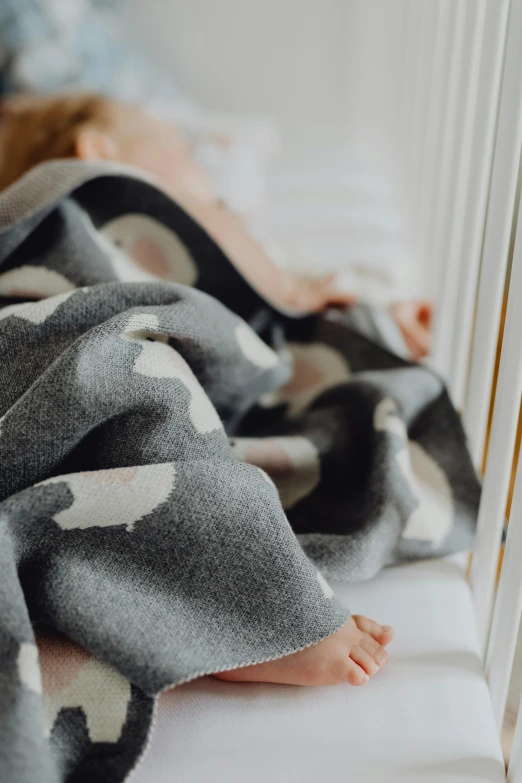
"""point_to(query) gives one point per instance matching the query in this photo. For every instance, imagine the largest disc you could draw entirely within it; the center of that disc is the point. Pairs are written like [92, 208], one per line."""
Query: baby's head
[94, 128]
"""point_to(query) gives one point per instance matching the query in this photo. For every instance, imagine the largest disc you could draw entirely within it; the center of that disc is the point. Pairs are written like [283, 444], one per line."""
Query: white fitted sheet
[425, 717]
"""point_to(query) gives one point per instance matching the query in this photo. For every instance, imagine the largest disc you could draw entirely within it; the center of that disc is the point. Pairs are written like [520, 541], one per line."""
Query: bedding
[183, 468]
[427, 718]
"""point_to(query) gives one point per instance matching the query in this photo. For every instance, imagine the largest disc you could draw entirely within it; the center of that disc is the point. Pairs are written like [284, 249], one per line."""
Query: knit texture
[180, 475]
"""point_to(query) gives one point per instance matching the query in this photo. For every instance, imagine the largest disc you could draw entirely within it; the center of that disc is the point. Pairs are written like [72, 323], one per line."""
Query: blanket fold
[179, 474]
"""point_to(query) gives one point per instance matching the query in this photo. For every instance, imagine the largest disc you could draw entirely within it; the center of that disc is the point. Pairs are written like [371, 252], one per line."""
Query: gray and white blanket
[182, 468]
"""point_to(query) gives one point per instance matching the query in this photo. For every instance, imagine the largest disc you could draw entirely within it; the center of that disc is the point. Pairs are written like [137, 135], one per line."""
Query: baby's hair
[34, 130]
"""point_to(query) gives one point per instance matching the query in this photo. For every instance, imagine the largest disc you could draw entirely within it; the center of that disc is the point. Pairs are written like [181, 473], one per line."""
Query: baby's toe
[383, 634]
[364, 660]
[373, 648]
[386, 635]
[355, 675]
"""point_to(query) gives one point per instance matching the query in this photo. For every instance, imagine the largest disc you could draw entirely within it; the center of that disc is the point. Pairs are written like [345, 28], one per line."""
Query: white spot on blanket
[433, 518]
[13, 309]
[386, 418]
[325, 587]
[35, 312]
[141, 248]
[140, 326]
[292, 462]
[254, 349]
[121, 496]
[28, 667]
[72, 678]
[34, 282]
[316, 368]
[159, 360]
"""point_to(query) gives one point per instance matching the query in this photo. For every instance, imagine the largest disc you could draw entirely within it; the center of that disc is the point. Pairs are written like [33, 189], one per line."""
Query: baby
[92, 128]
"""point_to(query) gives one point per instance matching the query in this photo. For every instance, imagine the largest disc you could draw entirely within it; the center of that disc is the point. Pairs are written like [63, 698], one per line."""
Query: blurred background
[354, 136]
[323, 73]
[307, 89]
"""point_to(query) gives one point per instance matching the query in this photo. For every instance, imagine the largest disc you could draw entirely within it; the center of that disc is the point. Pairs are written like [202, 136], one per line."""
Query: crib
[443, 132]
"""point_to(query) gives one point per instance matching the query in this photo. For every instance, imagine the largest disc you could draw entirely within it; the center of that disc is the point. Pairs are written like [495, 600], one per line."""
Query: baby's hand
[414, 320]
[312, 295]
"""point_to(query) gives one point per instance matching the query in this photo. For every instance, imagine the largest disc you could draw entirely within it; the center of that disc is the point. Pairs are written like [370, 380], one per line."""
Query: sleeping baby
[95, 129]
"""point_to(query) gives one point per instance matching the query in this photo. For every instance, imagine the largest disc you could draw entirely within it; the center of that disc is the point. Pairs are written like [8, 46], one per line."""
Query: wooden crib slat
[489, 83]
[514, 774]
[450, 236]
[427, 207]
[508, 604]
[497, 236]
[509, 387]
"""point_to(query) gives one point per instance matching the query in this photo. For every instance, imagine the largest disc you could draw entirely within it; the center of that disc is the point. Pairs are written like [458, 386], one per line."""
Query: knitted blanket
[182, 468]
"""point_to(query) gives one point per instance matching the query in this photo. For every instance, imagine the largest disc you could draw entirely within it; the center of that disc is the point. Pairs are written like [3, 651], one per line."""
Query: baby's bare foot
[352, 654]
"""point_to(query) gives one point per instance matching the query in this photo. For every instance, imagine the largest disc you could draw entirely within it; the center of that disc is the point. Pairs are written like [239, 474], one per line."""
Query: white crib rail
[485, 209]
[492, 279]
[508, 604]
[485, 122]
[497, 235]
[459, 139]
[455, 172]
[454, 53]
[462, 151]
[515, 764]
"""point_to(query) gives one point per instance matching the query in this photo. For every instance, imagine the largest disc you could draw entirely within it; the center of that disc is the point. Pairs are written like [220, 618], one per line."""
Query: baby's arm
[287, 291]
[281, 288]
[414, 319]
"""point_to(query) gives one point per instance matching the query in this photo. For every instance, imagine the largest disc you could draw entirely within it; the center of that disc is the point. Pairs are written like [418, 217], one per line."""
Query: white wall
[326, 71]
[322, 68]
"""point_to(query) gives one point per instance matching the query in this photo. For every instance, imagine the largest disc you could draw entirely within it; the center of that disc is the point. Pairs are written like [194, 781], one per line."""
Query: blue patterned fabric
[49, 45]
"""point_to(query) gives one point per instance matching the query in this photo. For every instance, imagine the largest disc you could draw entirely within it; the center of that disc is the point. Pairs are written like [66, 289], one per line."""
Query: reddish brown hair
[40, 129]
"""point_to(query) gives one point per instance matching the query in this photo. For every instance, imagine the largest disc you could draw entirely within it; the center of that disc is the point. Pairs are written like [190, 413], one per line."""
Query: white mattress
[425, 717]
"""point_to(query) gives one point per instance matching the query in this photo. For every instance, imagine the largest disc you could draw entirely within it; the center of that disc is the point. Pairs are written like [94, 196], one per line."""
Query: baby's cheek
[149, 155]
[199, 184]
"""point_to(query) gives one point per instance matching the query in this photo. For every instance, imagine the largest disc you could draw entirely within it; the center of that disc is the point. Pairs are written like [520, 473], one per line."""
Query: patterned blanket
[182, 468]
